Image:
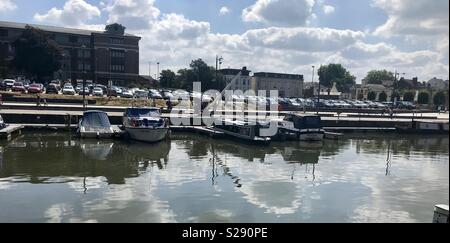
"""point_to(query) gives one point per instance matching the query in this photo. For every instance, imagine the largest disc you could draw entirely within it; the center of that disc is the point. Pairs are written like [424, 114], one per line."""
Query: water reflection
[199, 179]
[41, 159]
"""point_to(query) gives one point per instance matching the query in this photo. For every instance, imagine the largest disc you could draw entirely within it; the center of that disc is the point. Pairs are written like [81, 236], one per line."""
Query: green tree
[372, 96]
[408, 96]
[36, 54]
[382, 97]
[439, 98]
[395, 95]
[167, 79]
[335, 73]
[424, 98]
[378, 76]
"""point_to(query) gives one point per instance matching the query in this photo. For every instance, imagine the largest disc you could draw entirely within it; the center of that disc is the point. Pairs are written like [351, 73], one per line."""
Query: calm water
[58, 178]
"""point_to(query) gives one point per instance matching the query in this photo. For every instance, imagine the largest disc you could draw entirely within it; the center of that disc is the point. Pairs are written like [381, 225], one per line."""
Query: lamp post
[83, 76]
[218, 62]
[157, 74]
[395, 86]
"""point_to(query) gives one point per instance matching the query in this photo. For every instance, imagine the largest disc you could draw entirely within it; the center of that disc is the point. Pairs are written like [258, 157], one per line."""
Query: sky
[287, 36]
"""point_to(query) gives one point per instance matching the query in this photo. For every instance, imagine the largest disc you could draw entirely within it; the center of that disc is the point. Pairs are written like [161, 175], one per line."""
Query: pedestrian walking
[38, 100]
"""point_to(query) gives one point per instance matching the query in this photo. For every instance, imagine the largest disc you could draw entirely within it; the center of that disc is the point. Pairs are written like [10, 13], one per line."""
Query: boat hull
[148, 135]
[311, 136]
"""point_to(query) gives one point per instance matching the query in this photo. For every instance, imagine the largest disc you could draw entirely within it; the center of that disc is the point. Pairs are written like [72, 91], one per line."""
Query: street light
[157, 75]
[83, 76]
[395, 86]
[218, 62]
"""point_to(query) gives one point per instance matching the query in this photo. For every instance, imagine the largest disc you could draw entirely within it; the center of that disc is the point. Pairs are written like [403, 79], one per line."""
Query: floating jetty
[8, 131]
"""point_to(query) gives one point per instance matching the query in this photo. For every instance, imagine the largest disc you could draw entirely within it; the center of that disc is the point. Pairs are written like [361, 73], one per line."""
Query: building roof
[55, 29]
[278, 75]
[233, 71]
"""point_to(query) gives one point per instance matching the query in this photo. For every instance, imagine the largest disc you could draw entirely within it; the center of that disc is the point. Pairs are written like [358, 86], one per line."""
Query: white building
[242, 83]
[288, 85]
[438, 84]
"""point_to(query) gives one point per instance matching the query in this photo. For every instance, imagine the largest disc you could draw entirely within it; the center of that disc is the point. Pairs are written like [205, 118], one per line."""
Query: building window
[84, 53]
[84, 40]
[4, 33]
[117, 41]
[117, 68]
[117, 54]
[61, 39]
[87, 66]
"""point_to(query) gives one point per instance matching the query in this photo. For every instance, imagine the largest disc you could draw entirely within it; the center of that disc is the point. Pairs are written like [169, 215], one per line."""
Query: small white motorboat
[95, 124]
[145, 124]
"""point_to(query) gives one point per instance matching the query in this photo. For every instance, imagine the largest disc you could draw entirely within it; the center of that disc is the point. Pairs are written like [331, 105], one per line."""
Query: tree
[372, 96]
[439, 98]
[394, 96]
[378, 76]
[167, 79]
[423, 98]
[36, 54]
[408, 96]
[335, 73]
[382, 97]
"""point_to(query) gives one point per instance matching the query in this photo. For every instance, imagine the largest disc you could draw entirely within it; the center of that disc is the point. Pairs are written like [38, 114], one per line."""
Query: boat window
[96, 120]
[143, 113]
[312, 122]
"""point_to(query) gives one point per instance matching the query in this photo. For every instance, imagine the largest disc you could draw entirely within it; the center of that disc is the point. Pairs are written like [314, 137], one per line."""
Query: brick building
[105, 55]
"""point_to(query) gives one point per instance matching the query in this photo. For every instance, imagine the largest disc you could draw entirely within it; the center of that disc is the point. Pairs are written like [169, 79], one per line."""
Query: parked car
[154, 94]
[97, 91]
[18, 87]
[85, 92]
[112, 92]
[35, 89]
[68, 90]
[126, 93]
[141, 94]
[51, 89]
[9, 83]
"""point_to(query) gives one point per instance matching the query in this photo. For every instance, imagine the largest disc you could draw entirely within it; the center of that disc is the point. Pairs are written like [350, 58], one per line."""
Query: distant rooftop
[57, 29]
[278, 75]
[233, 71]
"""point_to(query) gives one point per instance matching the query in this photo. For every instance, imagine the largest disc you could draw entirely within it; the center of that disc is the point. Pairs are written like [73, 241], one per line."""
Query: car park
[51, 89]
[126, 93]
[18, 87]
[8, 83]
[68, 89]
[97, 91]
[35, 89]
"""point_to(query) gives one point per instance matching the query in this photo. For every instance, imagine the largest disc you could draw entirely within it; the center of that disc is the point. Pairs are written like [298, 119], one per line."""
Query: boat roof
[143, 108]
[94, 111]
[301, 115]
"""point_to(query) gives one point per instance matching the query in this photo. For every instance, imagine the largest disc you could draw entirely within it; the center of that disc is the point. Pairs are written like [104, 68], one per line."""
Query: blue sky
[267, 35]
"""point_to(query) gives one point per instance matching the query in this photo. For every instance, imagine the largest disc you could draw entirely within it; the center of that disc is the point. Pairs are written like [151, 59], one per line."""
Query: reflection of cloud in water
[57, 212]
[97, 151]
[276, 197]
[365, 214]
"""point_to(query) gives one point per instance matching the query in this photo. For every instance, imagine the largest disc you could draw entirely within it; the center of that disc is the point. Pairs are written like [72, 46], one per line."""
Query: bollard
[440, 214]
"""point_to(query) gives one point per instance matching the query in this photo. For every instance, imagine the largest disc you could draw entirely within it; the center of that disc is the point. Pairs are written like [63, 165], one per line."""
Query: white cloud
[328, 9]
[134, 14]
[7, 5]
[361, 50]
[74, 13]
[279, 12]
[414, 18]
[303, 39]
[224, 10]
